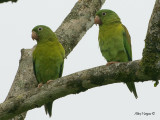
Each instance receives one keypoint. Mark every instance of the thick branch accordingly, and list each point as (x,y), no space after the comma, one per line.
(77,23)
(71,84)
(151,53)
(73,28)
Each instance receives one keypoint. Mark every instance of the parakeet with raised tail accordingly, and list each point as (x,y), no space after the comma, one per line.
(114,40)
(48,58)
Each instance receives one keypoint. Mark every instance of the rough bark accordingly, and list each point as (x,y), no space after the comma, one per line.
(151,53)
(72,84)
(73,28)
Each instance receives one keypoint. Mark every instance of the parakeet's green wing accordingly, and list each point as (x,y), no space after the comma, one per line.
(127,46)
(127,43)
(61,69)
(34,69)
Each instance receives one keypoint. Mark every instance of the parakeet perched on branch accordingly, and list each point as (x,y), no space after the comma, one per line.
(48,58)
(114,40)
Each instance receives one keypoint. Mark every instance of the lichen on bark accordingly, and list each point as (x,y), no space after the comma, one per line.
(151,52)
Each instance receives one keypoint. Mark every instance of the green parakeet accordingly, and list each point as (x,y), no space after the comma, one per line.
(114,40)
(48,58)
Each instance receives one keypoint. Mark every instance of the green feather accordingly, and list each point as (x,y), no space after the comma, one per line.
(114,41)
(127,43)
(48,58)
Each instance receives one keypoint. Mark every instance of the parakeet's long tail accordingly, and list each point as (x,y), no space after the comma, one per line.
(48,108)
(132,88)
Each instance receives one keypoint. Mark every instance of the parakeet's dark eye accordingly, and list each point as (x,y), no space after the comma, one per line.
(103,13)
(40,29)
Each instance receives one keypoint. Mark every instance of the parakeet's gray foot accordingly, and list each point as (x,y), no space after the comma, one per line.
(109,63)
(49,81)
(40,85)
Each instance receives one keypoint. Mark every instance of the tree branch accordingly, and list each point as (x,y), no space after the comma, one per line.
(77,23)
(151,53)
(73,28)
(72,84)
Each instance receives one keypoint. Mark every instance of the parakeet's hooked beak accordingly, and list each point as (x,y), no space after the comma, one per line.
(34,35)
(97,20)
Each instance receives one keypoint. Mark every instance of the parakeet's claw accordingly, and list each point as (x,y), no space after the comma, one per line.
(156,83)
(40,85)
(109,63)
(49,81)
